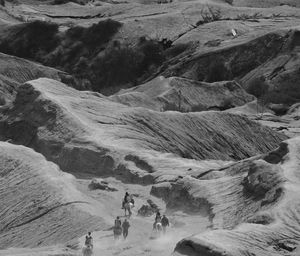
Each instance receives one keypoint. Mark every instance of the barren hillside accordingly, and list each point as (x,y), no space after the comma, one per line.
(64,124)
(190,106)
(268,222)
(40,204)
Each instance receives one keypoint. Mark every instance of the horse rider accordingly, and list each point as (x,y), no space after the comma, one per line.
(117,228)
(157,217)
(89,240)
(118,222)
(126,199)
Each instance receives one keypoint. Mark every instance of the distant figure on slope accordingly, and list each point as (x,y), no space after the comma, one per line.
(157,220)
(128,204)
(117,228)
(125,227)
(126,199)
(164,223)
(157,228)
(87,250)
(88,240)
(118,222)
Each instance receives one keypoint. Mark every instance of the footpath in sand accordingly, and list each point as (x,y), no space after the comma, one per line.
(141,239)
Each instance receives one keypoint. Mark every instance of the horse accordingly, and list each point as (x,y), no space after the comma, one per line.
(157,227)
(117,232)
(127,207)
(87,250)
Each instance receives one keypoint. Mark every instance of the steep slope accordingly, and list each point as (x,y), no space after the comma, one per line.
(40,204)
(15,71)
(230,60)
(253,206)
(281,73)
(266,3)
(87,133)
(200,44)
(43,251)
(183,95)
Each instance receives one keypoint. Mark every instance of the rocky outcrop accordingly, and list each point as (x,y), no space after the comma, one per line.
(87,133)
(40,204)
(254,208)
(183,95)
(238,189)
(148,209)
(100,184)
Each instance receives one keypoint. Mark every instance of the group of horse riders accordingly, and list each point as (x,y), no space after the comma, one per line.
(160,224)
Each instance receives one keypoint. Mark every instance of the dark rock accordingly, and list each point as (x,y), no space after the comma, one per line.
(276,156)
(262,180)
(100,184)
(148,209)
(279,109)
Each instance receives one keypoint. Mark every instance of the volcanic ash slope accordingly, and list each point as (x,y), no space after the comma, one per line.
(254,206)
(184,95)
(85,132)
(14,71)
(39,203)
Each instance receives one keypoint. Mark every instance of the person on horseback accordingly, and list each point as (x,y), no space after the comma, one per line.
(118,222)
(157,228)
(128,208)
(126,199)
(157,217)
(87,250)
(88,240)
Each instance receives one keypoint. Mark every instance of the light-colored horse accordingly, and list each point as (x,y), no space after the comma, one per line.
(158,227)
(87,250)
(157,230)
(127,208)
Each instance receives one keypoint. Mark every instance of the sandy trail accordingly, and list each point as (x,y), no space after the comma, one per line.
(141,239)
